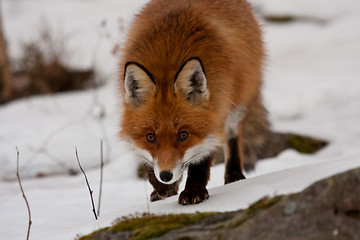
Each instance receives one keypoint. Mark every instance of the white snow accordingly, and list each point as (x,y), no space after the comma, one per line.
(311,87)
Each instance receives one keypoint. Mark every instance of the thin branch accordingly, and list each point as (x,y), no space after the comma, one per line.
(87,183)
(146,197)
(22,191)
(101,176)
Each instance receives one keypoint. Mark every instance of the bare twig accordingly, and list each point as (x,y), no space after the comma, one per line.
(101,176)
(22,191)
(87,183)
(146,197)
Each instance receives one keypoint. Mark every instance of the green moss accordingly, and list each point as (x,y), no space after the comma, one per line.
(254,209)
(304,144)
(264,203)
(150,226)
(90,236)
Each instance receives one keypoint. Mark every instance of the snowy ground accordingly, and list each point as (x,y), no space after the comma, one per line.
(312,87)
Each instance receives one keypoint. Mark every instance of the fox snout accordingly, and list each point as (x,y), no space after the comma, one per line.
(168,174)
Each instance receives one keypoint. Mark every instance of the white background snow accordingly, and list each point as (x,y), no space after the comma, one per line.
(312,87)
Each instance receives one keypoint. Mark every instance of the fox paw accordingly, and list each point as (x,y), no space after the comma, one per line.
(193,196)
(233,177)
(155,196)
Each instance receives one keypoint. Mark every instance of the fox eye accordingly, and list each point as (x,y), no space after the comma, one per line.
(150,137)
(183,135)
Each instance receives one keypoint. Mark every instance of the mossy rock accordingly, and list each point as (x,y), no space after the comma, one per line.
(304,144)
(278,142)
(146,226)
(253,210)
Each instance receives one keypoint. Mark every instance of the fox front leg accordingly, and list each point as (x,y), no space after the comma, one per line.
(161,191)
(195,189)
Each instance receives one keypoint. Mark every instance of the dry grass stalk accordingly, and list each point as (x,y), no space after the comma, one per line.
(23,194)
(88,185)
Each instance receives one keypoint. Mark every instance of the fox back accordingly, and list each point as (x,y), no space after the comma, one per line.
(191,75)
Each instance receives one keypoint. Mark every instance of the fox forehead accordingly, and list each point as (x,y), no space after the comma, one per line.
(169,120)
(163,122)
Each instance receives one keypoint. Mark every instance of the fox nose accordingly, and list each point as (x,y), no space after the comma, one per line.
(166,176)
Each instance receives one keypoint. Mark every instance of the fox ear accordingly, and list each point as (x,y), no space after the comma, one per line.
(191,82)
(138,82)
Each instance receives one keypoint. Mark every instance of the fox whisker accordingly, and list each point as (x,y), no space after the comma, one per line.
(189,160)
(146,161)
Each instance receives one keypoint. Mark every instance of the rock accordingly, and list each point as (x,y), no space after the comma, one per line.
(328,209)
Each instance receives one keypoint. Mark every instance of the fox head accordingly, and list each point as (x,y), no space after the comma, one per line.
(168,120)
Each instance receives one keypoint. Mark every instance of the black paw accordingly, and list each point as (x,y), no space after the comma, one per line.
(193,196)
(160,196)
(233,177)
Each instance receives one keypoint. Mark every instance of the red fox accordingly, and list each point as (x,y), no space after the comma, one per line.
(191,77)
